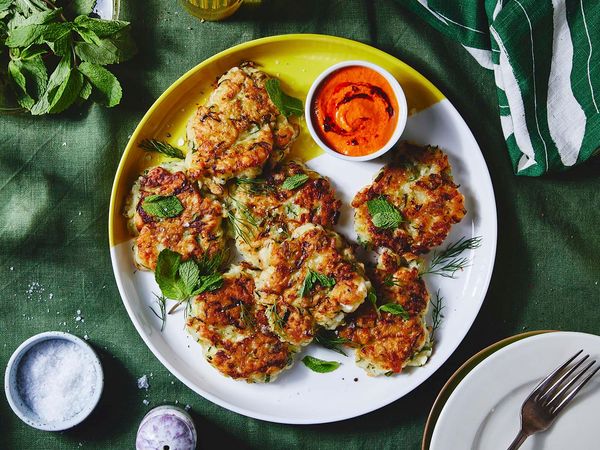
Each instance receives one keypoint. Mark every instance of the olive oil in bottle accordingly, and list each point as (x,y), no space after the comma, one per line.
(211,9)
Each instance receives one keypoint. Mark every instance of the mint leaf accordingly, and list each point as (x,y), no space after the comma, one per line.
(294,181)
(209,283)
(383,213)
(29,77)
(5,4)
(58,37)
(288,106)
(313,278)
(319,365)
(162,206)
(107,89)
(395,309)
(86,90)
(57,78)
(23,36)
(67,92)
(20,83)
(190,274)
(102,28)
(324,280)
(167,267)
(80,7)
(87,35)
(119,47)
(328,339)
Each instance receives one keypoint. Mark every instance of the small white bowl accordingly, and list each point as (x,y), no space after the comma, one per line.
(14,398)
(400,97)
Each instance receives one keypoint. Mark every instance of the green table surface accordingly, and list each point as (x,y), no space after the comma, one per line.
(55,179)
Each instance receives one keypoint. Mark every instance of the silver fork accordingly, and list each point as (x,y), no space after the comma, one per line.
(550,397)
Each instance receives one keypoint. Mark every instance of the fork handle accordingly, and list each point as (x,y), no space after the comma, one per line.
(521,437)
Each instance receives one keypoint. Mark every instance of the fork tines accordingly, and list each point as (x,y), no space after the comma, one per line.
(560,387)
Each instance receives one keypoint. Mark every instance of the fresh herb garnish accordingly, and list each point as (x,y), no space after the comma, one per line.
(154,145)
(254,185)
(383,214)
(448,261)
(390,280)
(294,181)
(312,278)
(163,206)
(161,303)
(278,321)
(437,315)
(246,315)
(242,221)
(319,365)
(41,37)
(395,309)
(288,106)
(179,281)
(329,339)
(372,298)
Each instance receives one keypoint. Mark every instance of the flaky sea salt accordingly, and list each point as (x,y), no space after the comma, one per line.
(56,380)
(142,382)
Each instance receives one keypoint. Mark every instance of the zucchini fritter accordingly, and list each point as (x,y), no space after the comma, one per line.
(265,211)
(234,333)
(418,183)
(311,279)
(237,131)
(385,342)
(196,231)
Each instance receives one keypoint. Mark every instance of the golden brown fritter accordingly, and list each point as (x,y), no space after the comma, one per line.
(237,131)
(266,211)
(195,232)
(234,332)
(418,183)
(311,279)
(385,342)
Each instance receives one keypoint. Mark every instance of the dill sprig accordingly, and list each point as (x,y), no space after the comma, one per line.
(390,280)
(329,339)
(278,321)
(161,303)
(448,261)
(254,185)
(246,315)
(436,313)
(244,224)
(154,145)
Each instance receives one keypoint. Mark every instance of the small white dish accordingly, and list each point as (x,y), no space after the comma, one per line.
(483,412)
(396,88)
(15,400)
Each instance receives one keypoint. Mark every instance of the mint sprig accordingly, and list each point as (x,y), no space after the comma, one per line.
(181,280)
(312,278)
(294,181)
(162,206)
(55,53)
(288,106)
(319,365)
(395,309)
(383,214)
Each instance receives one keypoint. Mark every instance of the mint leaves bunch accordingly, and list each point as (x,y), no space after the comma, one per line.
(55,53)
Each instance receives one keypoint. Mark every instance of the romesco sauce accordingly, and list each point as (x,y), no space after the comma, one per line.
(355,110)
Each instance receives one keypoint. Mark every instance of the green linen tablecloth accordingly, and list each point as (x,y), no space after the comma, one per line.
(55,179)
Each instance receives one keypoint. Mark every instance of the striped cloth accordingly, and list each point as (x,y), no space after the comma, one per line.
(547,71)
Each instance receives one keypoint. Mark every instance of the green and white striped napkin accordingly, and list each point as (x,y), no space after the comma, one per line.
(545,55)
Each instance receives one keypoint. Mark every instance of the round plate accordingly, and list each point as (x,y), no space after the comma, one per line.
(297,60)
(475,421)
(458,376)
